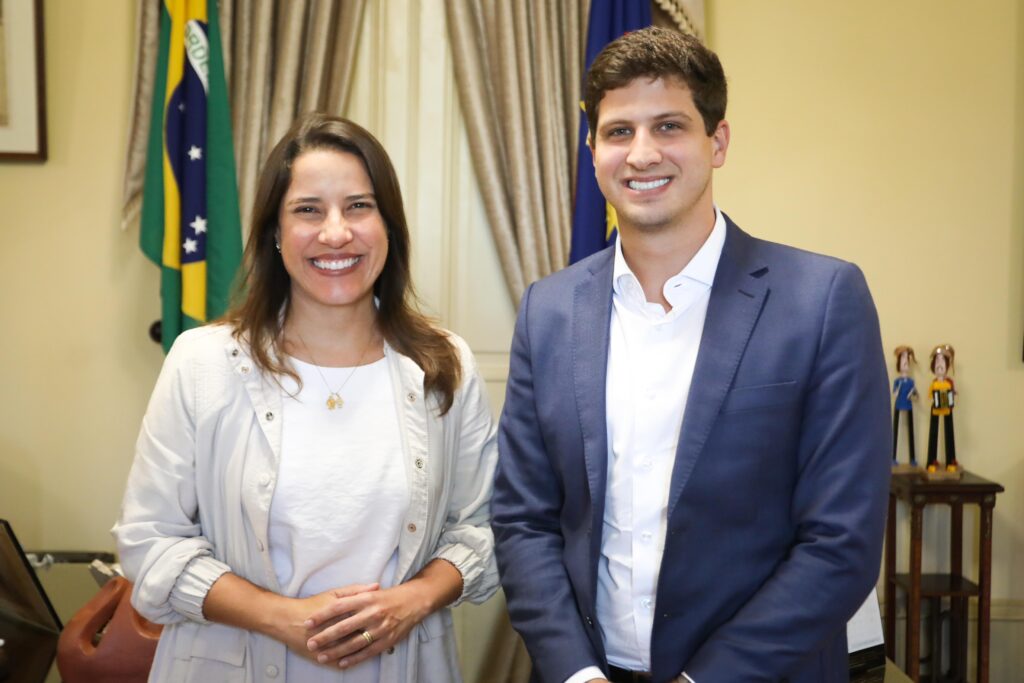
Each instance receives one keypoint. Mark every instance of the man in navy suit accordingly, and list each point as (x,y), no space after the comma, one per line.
(695,440)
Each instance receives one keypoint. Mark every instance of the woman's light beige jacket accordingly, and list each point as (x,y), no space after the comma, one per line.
(200,489)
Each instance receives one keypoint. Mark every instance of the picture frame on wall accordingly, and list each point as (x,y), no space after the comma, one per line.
(22,81)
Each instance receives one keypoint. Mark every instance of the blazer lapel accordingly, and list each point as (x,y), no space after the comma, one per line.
(591,315)
(737,297)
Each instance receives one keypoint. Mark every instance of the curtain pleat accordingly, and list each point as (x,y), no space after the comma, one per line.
(517,72)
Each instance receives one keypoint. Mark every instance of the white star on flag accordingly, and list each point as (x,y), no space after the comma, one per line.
(181,106)
(190,246)
(199,224)
(195,153)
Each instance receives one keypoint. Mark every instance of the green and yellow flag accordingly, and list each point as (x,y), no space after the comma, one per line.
(191,226)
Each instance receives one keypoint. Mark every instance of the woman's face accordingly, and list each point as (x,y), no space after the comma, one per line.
(940,365)
(333,239)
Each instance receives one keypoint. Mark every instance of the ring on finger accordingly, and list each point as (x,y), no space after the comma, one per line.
(368,637)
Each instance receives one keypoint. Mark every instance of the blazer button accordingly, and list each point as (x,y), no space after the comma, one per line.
(590,622)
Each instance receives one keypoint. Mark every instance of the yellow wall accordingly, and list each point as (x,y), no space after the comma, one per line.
(890,134)
(886,133)
(75,362)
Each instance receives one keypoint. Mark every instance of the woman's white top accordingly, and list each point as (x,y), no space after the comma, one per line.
(341,494)
(205,476)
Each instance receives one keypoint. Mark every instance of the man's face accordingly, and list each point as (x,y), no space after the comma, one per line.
(652,157)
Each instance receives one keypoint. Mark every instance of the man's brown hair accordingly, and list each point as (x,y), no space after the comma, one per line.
(654,53)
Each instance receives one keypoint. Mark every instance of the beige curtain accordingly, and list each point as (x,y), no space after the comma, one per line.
(684,15)
(282,58)
(517,71)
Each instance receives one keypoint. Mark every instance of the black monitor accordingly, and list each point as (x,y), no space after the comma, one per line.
(29,626)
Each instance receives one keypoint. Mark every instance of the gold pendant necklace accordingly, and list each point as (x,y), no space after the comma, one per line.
(334,399)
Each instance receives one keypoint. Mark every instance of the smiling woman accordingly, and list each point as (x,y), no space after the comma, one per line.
(277,515)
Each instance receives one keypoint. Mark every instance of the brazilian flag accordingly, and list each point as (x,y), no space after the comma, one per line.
(190,224)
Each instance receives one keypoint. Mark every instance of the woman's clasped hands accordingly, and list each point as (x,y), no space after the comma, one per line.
(355,623)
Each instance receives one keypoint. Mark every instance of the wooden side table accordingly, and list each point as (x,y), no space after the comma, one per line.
(918,493)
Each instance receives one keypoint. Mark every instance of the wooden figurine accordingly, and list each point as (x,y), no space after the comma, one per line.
(943,395)
(906,393)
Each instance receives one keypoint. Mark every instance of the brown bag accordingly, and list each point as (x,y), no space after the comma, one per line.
(107,641)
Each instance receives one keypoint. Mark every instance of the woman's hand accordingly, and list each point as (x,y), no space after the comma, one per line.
(356,627)
(289,622)
(236,602)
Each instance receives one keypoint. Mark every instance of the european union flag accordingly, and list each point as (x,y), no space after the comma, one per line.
(593,220)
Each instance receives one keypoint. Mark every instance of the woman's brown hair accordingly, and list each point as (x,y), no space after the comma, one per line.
(261,306)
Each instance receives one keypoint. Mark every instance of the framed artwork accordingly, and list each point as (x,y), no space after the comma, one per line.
(22,81)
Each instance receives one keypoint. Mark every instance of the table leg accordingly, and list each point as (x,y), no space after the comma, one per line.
(957,605)
(985,586)
(914,596)
(890,585)
(935,639)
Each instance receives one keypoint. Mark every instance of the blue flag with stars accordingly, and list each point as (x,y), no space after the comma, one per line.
(593,221)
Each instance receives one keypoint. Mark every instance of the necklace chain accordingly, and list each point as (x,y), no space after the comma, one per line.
(334,399)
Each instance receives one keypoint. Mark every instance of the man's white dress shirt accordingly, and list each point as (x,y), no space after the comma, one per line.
(651,357)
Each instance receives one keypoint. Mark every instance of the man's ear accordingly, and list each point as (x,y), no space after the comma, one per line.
(720,143)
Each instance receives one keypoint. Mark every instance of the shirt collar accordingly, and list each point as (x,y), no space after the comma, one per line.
(701,268)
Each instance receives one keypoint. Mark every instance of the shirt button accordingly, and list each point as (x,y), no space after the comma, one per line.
(390,651)
(411,396)
(647,464)
(411,528)
(270,417)
(419,463)
(234,353)
(646,603)
(264,479)
(244,369)
(272,671)
(646,536)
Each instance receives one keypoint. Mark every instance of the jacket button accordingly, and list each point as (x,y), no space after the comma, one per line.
(411,528)
(234,353)
(272,671)
(419,463)
(270,417)
(590,622)
(411,396)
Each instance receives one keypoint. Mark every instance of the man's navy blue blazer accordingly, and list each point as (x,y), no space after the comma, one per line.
(778,493)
